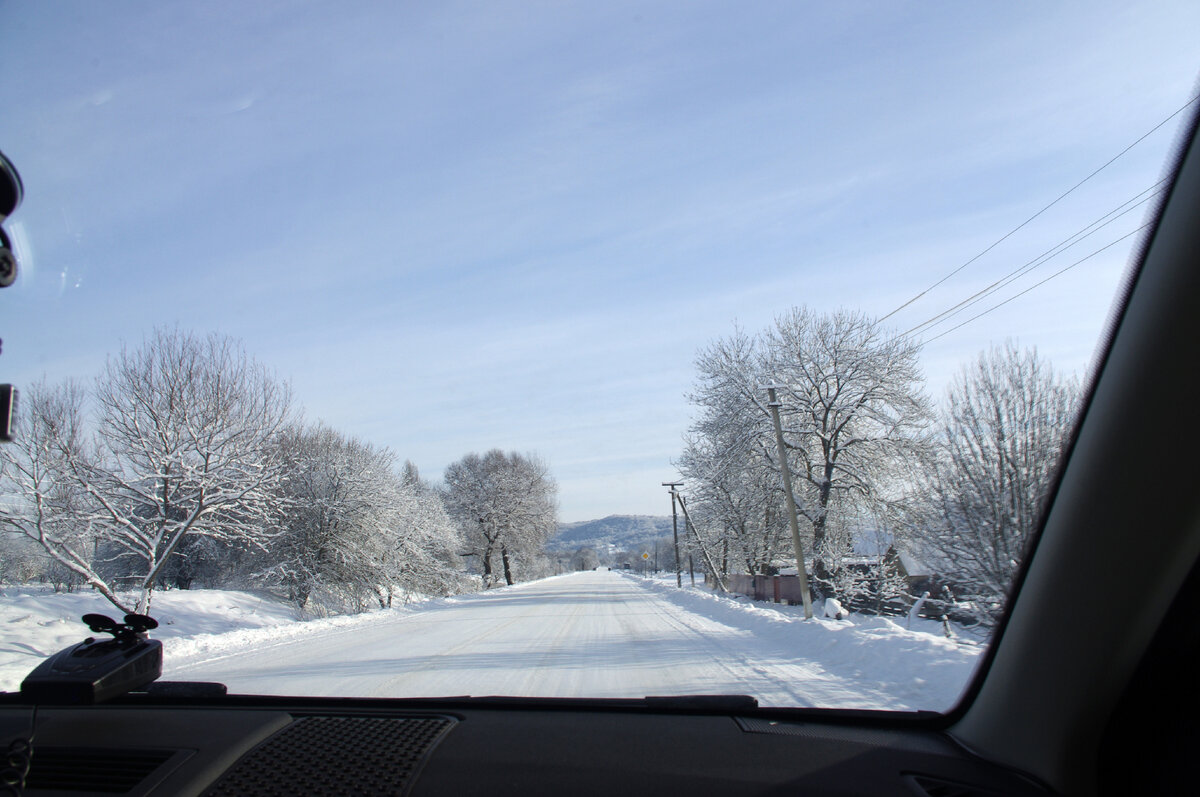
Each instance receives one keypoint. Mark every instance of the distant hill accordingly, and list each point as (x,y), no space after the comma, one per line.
(615,533)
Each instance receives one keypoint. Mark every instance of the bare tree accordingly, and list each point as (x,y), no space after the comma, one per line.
(425,543)
(191,462)
(853,410)
(41,501)
(21,562)
(737,501)
(330,484)
(504,504)
(585,558)
(1005,422)
(185,445)
(356,529)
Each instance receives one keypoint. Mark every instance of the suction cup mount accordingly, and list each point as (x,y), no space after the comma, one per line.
(133,629)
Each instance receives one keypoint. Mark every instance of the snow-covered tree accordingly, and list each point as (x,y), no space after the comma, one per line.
(505,504)
(184,446)
(869,579)
(425,545)
(736,503)
(585,558)
(854,418)
(21,562)
(356,530)
(41,501)
(1005,422)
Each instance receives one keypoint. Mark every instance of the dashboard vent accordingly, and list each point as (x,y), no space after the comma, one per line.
(92,769)
(335,755)
(927,786)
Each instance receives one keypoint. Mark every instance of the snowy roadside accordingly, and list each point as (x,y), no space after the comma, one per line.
(196,625)
(918,667)
(36,622)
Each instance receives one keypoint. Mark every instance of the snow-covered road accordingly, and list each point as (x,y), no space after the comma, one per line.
(593,634)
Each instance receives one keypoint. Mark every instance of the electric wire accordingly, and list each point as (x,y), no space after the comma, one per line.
(1078,237)
(1060,197)
(1040,260)
(1036,284)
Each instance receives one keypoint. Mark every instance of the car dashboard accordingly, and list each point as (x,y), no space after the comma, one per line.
(242,746)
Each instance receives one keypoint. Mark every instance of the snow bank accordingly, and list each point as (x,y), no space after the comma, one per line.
(36,622)
(900,668)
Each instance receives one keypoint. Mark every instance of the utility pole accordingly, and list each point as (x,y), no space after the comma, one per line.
(712,566)
(672,487)
(775,404)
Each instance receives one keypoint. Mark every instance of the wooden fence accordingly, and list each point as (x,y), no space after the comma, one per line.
(786,589)
(776,589)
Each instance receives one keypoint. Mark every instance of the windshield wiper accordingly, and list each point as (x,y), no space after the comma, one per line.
(714,703)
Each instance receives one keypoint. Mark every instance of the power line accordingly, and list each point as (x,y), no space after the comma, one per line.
(1062,246)
(1037,284)
(1008,279)
(1062,196)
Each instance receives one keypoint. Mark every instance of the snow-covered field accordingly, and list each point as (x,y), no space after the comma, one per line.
(595,634)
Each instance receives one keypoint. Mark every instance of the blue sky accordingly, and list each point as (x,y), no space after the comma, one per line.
(462,226)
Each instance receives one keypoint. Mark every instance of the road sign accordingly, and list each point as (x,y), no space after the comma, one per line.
(645,556)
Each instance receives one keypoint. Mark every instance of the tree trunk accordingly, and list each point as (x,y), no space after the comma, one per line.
(822,574)
(487,567)
(507,565)
(143,604)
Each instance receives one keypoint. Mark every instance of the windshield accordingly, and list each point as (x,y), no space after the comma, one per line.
(568,350)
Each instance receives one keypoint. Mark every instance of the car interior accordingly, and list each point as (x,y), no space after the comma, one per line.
(1109,708)
(1085,687)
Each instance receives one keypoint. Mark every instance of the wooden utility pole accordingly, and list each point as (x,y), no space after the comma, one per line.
(673,486)
(712,567)
(774,404)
